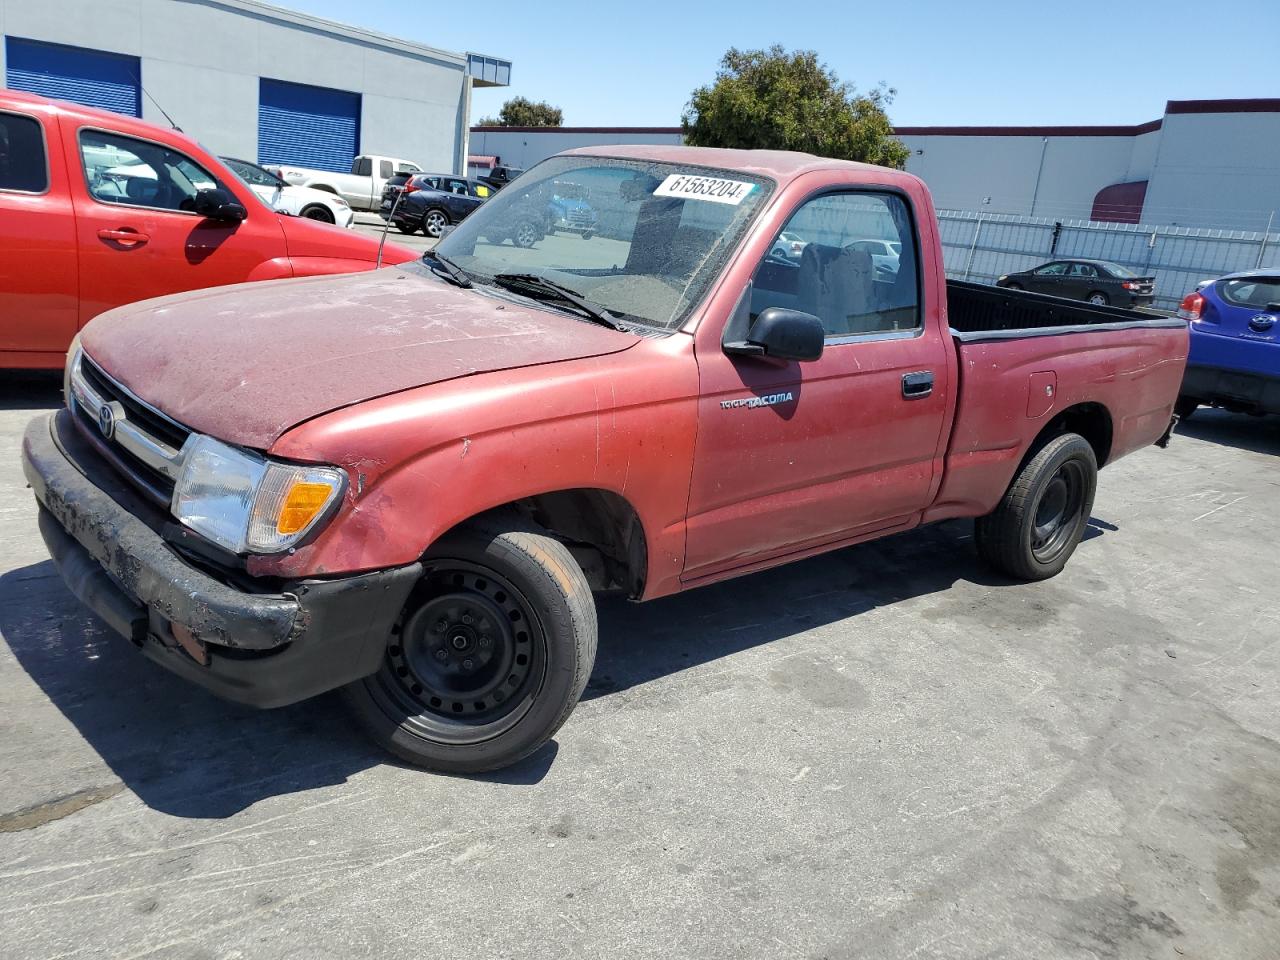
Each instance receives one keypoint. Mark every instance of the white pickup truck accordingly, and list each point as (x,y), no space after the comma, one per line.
(361,188)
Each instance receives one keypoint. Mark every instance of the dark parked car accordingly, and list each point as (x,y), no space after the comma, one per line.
(1097,281)
(431,201)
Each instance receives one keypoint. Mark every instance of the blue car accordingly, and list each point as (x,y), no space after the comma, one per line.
(1235,344)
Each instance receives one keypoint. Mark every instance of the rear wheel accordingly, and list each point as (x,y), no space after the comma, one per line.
(434,222)
(490,655)
(1041,518)
(318,213)
(1099,299)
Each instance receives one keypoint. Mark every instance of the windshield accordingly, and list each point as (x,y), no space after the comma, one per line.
(660,233)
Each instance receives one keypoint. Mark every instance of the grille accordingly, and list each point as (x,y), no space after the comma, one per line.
(148,421)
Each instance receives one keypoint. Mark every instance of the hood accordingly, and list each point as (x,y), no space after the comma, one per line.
(246,363)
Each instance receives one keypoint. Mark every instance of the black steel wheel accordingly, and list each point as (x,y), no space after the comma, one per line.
(1039,521)
(489,656)
(1057,511)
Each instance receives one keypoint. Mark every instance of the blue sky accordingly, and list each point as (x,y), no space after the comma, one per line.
(635,63)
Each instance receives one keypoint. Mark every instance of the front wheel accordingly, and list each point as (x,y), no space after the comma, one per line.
(490,655)
(1042,516)
(319,214)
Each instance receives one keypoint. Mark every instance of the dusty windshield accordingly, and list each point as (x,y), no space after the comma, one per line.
(642,240)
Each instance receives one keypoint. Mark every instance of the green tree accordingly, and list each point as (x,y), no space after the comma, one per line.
(521,112)
(772,99)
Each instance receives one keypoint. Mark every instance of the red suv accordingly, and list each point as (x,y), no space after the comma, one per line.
(99,210)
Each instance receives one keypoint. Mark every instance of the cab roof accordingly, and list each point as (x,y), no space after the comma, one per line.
(780,165)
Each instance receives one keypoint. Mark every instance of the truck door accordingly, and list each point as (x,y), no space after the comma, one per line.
(138,234)
(797,455)
(38,269)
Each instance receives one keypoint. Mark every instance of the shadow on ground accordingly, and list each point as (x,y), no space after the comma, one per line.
(186,753)
(1256,434)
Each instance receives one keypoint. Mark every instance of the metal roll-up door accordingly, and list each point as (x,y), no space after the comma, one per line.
(307,126)
(110,81)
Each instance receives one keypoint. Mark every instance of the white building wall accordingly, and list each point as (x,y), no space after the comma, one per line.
(201,60)
(523,148)
(1216,170)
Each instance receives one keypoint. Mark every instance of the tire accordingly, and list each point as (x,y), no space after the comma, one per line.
(1185,406)
(433,223)
(1099,299)
(1042,516)
(526,234)
(318,213)
(405,228)
(484,692)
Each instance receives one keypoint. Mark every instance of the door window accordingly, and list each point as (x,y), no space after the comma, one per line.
(385,169)
(456,186)
(362,167)
(136,173)
(843,275)
(251,173)
(1051,270)
(481,190)
(1083,270)
(24,167)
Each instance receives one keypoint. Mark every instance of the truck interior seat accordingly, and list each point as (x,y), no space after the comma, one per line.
(837,286)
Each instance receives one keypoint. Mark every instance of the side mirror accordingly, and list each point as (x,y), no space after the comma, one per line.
(218,204)
(781,334)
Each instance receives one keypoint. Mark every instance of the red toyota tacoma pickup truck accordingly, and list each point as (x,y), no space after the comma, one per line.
(409,483)
(98,210)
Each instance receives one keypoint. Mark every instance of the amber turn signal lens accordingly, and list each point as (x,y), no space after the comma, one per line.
(301,504)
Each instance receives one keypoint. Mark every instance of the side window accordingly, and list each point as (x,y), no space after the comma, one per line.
(457,186)
(1083,270)
(362,167)
(848,273)
(23,164)
(385,170)
(122,170)
(481,190)
(1051,270)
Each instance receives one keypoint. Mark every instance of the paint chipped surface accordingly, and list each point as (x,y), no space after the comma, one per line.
(275,354)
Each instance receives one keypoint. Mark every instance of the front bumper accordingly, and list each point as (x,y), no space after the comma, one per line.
(286,643)
(1234,389)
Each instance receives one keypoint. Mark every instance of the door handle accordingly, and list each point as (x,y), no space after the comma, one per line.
(130,238)
(918,385)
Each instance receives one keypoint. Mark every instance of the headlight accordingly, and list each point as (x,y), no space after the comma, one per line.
(247,503)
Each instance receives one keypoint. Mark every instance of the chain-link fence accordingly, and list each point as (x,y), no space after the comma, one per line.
(982,247)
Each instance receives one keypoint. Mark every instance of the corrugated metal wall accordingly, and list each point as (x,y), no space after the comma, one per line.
(109,81)
(307,126)
(982,247)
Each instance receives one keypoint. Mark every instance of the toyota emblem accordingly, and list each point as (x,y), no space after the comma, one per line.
(1262,322)
(106,421)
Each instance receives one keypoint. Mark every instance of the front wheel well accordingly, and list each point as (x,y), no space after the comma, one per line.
(600,528)
(1091,420)
(322,186)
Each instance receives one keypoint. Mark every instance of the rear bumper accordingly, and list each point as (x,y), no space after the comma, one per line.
(265,649)
(1233,389)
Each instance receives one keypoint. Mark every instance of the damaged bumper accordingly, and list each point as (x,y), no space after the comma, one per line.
(266,649)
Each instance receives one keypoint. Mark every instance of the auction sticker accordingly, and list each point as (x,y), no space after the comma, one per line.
(713,189)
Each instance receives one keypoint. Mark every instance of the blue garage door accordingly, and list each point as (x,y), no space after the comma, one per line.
(95,78)
(307,126)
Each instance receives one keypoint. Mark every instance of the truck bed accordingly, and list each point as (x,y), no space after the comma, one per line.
(979,311)
(1026,359)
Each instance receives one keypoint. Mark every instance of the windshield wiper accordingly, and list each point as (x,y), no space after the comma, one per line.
(446,269)
(533,284)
